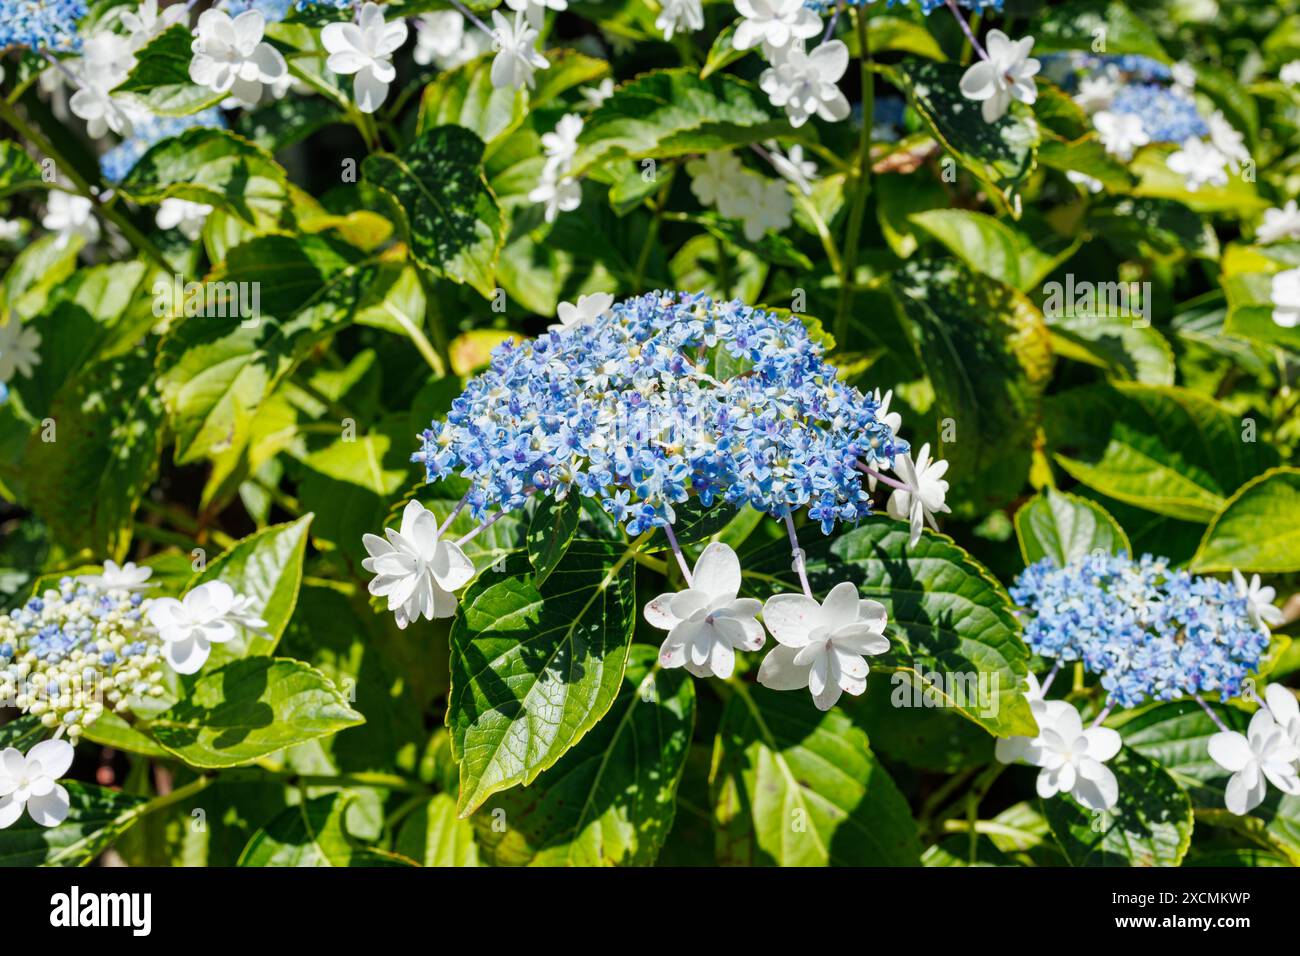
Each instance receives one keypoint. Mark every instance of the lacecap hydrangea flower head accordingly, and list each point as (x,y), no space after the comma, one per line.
(647,404)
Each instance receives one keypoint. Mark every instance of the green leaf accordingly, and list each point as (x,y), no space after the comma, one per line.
(1164,449)
(675,112)
(1151,825)
(466,97)
(104,456)
(1000,155)
(21,733)
(1086,156)
(610,800)
(1250,310)
(991,246)
(793,786)
(18,171)
(249,709)
(1126,349)
(216,167)
(216,370)
(1081,24)
(1258,528)
(267,567)
(96,817)
(894,34)
(550,530)
(947,614)
(1237,198)
(1064,527)
(533,669)
(314,833)
(160,80)
(443,203)
(435,836)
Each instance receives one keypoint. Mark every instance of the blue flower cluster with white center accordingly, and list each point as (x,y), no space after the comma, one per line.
(1167,115)
(71,653)
(147,131)
(41,24)
(665,396)
(1150,632)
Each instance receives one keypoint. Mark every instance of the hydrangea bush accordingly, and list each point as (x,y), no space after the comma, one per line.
(682,432)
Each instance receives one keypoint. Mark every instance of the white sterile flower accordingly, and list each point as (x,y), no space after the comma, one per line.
(1285,293)
(774,22)
(517,59)
(557,195)
(1121,133)
(1084,180)
(1096,92)
(588,309)
(1008,74)
(1285,709)
(415,568)
(707,622)
(804,83)
(18,345)
(595,95)
(33,782)
(1228,141)
(715,180)
(561,144)
(365,48)
(925,493)
(128,577)
(69,216)
(189,627)
(441,39)
(1290,73)
(768,206)
(106,61)
(1072,758)
(184,215)
(823,647)
(793,166)
(146,21)
(10,229)
(677,15)
(1184,75)
(1029,749)
(1264,754)
(241,612)
(1280,224)
(1200,164)
(230,57)
(1263,612)
(893,419)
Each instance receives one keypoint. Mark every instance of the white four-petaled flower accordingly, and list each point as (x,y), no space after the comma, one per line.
(1120,133)
(517,58)
(230,56)
(69,216)
(127,577)
(774,23)
(707,623)
(1073,759)
(415,568)
(32,782)
(925,492)
(184,215)
(18,345)
(804,83)
(1264,754)
(1264,614)
(1280,224)
(588,309)
(365,48)
(1200,164)
(1008,74)
(823,647)
(205,616)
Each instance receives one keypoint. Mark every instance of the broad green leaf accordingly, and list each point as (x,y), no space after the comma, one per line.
(611,799)
(249,709)
(997,249)
(567,69)
(722,52)
(104,456)
(550,530)
(435,836)
(793,786)
(1000,155)
(96,817)
(533,669)
(1126,348)
(216,167)
(1258,529)
(1086,156)
(948,617)
(910,723)
(1238,198)
(35,272)
(1151,825)
(18,171)
(986,350)
(1064,527)
(267,567)
(314,833)
(1164,449)
(1152,227)
(957,851)
(216,370)
(674,112)
(465,96)
(160,80)
(887,34)
(698,265)
(694,524)
(446,211)
(1082,24)
(112,730)
(22,733)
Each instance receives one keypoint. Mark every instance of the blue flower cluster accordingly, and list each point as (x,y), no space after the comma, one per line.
(1167,115)
(273,11)
(1149,631)
(665,396)
(927,6)
(41,24)
(151,129)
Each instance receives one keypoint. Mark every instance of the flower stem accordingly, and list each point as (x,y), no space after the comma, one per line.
(1218,722)
(452,517)
(1105,712)
(481,528)
(965,28)
(800,564)
(1051,676)
(883,479)
(677,553)
(862,187)
(469,15)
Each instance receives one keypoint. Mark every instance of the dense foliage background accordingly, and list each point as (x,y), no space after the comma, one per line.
(393,250)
